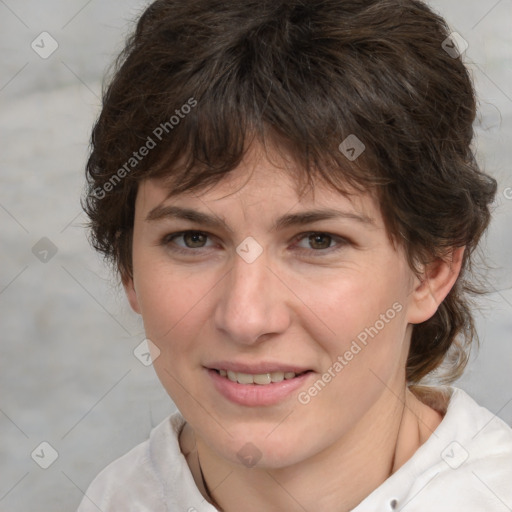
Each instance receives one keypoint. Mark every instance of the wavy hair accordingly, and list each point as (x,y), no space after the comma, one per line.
(304,76)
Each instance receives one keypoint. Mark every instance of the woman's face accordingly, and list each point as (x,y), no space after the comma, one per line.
(263,284)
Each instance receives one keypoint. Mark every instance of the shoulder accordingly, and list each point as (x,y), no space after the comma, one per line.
(136,481)
(475,466)
(466,463)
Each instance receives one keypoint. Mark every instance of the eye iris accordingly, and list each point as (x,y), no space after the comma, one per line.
(197,239)
(313,239)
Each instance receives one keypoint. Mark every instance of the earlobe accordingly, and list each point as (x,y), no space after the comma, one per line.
(131,294)
(437,281)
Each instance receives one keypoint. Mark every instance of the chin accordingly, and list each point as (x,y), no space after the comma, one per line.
(256,448)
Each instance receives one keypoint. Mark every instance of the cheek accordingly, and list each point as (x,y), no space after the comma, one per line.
(174,309)
(362,334)
(364,350)
(355,307)
(172,304)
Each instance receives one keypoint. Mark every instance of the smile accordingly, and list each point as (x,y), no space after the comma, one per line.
(261,379)
(258,389)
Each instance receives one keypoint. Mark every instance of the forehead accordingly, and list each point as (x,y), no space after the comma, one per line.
(263,180)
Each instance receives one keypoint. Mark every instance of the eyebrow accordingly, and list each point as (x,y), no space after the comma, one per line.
(292,219)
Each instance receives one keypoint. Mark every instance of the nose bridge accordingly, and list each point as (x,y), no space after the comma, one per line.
(249,305)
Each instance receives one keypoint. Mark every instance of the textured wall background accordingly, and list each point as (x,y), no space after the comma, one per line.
(68,375)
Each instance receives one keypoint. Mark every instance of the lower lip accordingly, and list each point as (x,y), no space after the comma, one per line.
(254,395)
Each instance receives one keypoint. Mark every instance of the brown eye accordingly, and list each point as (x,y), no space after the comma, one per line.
(194,239)
(186,241)
(319,241)
(315,241)
(320,244)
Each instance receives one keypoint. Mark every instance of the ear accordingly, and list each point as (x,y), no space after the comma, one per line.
(131,294)
(435,284)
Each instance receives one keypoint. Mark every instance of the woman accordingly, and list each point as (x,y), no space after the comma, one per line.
(288,193)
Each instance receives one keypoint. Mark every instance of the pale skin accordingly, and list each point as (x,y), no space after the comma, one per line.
(298,303)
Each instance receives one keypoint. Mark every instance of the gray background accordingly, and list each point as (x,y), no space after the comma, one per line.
(68,375)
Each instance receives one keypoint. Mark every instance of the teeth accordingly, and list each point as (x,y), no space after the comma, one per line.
(277,376)
(264,378)
(244,378)
(260,378)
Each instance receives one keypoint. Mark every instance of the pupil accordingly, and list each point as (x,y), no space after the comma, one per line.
(315,238)
(196,239)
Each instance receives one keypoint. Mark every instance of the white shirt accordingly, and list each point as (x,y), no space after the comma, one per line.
(464,466)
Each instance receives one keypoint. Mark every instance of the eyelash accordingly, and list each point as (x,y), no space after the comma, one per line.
(169,238)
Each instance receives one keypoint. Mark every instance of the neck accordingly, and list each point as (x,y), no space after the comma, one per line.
(340,477)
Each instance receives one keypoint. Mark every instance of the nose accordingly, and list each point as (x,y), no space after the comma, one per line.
(253,302)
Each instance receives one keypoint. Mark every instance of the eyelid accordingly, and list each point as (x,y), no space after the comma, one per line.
(340,240)
(169,237)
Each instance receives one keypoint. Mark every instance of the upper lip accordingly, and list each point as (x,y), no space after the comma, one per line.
(255,368)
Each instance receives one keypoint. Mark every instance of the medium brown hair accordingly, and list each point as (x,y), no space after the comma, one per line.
(199,80)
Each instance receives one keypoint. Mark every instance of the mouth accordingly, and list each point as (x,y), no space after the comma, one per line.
(259,379)
(271,384)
